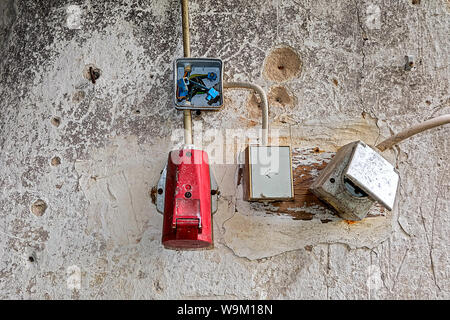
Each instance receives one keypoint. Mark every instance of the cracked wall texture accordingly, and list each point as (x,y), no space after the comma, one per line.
(99,236)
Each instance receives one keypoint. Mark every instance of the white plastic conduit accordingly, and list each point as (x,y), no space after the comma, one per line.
(264,104)
(418,128)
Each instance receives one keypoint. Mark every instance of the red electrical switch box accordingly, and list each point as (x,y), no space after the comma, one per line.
(187,202)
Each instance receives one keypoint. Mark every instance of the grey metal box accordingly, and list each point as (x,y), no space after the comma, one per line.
(199,66)
(268,173)
(354,179)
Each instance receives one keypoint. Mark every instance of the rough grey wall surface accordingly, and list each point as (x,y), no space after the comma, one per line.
(99,236)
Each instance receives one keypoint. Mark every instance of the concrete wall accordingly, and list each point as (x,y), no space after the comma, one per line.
(78,160)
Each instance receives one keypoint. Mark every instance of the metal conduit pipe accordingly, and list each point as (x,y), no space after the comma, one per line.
(187,120)
(231,85)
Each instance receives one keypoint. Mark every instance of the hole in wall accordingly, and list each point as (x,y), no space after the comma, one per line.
(279,96)
(38,207)
(91,73)
(30,255)
(282,64)
(56,161)
(56,121)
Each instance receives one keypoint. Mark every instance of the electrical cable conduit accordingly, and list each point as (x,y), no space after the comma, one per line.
(418,128)
(264,104)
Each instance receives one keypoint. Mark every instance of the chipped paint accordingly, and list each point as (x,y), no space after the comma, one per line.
(112,140)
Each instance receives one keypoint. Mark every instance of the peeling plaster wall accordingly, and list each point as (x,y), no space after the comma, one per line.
(99,236)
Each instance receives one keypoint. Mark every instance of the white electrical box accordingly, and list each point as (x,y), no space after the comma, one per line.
(268,173)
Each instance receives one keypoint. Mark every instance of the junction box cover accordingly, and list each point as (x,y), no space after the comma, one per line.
(267,174)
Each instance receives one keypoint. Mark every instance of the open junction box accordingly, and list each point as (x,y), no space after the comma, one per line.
(198,83)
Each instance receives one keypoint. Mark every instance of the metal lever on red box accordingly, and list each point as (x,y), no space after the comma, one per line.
(187,196)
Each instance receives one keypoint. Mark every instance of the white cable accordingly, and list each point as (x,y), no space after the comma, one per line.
(264,103)
(418,128)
